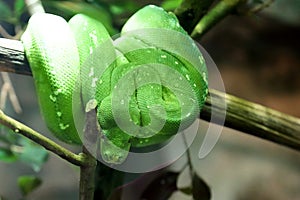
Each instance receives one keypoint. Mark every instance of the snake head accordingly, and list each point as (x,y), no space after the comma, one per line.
(114,150)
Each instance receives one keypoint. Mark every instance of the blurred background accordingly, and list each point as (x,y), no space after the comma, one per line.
(259,59)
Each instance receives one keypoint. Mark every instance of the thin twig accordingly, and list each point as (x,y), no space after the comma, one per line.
(190,12)
(8,90)
(19,128)
(260,7)
(254,119)
(216,14)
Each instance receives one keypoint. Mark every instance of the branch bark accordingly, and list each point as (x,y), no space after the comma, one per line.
(216,14)
(242,115)
(87,177)
(90,148)
(190,12)
(253,119)
(12,57)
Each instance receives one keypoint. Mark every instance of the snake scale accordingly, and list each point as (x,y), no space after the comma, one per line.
(145,89)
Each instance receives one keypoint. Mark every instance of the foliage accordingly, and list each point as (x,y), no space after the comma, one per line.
(28,184)
(170,4)
(160,185)
(16,148)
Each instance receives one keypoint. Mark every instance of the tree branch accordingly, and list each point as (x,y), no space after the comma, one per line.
(190,12)
(242,115)
(19,128)
(8,91)
(253,119)
(90,148)
(12,57)
(216,14)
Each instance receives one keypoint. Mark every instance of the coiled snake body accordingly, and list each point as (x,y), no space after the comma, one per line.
(148,84)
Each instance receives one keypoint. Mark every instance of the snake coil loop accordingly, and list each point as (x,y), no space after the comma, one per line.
(149,84)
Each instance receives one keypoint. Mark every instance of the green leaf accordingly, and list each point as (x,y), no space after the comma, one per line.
(186,190)
(27,184)
(170,4)
(7,155)
(19,7)
(33,154)
(162,187)
(123,7)
(7,136)
(200,189)
(5,11)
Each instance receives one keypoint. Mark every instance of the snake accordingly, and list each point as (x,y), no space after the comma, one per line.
(148,84)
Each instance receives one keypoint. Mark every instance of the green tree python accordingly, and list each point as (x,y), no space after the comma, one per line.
(144,92)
